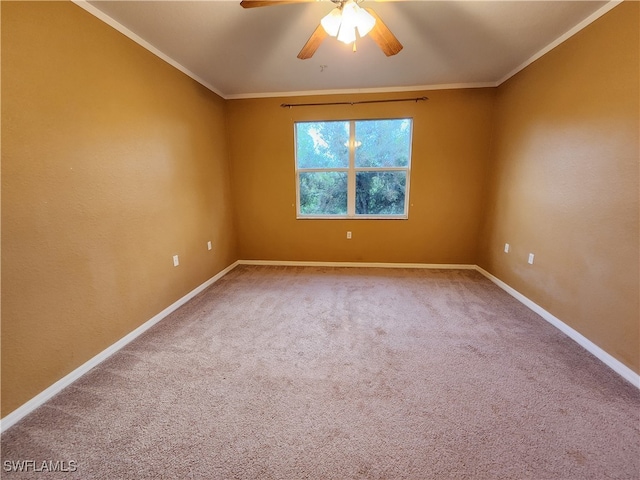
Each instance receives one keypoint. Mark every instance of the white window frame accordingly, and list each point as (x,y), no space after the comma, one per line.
(351,171)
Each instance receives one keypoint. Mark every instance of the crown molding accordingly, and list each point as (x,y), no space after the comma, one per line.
(411,88)
(586,22)
(85,5)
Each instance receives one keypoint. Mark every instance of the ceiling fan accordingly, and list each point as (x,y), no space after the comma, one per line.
(342,22)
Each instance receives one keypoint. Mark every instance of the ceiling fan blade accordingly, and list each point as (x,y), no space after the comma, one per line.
(269,3)
(313,43)
(381,34)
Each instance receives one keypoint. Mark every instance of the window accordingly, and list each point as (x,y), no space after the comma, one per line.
(353,169)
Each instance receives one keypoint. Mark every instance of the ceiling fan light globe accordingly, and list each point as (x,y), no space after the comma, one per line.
(331,22)
(347,33)
(364,21)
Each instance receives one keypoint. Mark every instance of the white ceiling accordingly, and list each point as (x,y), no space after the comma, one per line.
(240,53)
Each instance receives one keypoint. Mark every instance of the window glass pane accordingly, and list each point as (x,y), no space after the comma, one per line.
(323,193)
(380,193)
(383,143)
(322,144)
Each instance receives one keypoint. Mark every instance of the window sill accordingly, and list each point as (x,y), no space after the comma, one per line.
(357,217)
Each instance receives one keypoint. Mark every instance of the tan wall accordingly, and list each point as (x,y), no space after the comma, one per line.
(112,161)
(450,151)
(564,184)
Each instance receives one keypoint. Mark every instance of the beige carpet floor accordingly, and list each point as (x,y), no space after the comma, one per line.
(327,373)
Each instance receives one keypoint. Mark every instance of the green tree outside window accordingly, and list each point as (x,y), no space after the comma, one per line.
(357,168)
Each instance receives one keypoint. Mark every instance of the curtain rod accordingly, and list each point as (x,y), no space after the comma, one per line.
(416,99)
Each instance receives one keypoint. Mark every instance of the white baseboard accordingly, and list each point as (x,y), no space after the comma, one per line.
(617,366)
(28,407)
(289,263)
(22,411)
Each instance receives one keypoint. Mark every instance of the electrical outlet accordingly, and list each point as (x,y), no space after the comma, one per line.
(349,235)
(530,261)
(506,248)
(176,261)
(209,245)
